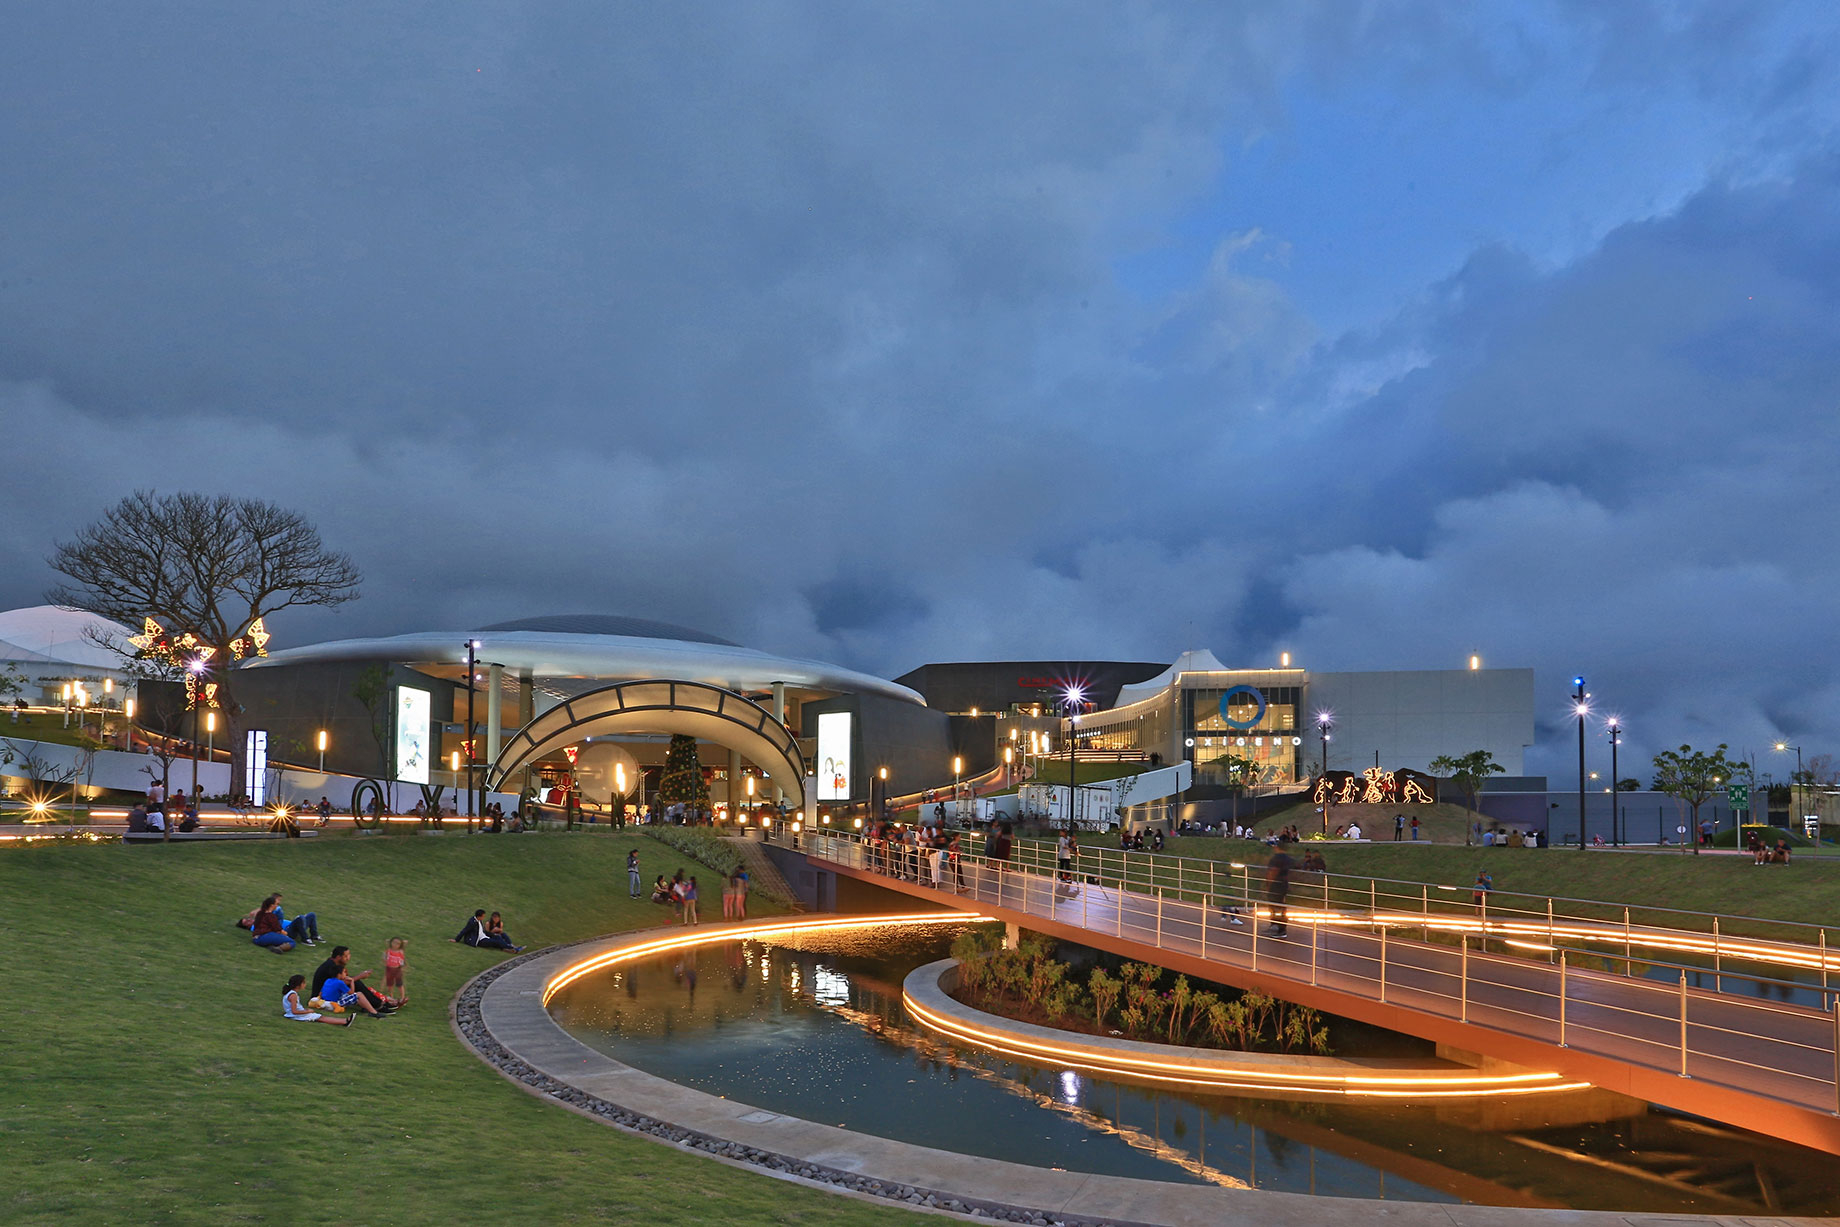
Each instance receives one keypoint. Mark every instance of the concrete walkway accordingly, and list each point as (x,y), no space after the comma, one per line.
(510,1014)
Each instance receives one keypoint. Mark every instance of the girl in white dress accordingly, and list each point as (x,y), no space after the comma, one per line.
(292,1009)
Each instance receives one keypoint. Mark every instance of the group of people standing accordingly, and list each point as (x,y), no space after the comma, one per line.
(924,853)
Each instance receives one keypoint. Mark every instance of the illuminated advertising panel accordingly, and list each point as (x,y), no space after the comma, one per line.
(834,756)
(412,708)
(255,766)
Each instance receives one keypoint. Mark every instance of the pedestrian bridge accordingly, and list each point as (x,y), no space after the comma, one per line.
(1578,996)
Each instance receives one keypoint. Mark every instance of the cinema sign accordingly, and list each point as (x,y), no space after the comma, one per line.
(1402,787)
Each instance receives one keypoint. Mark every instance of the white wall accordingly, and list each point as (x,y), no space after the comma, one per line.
(1412,717)
(115,769)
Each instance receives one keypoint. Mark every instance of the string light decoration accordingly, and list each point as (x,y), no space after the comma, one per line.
(191,654)
(1375,786)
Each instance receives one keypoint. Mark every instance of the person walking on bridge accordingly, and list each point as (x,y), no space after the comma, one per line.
(1277,886)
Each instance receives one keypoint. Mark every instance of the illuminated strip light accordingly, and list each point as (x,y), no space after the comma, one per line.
(1739,949)
(1354,1086)
(627,954)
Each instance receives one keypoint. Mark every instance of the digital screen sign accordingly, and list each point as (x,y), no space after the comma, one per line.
(412,751)
(834,756)
(255,766)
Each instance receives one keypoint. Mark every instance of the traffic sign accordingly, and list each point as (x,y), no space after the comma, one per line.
(1738,796)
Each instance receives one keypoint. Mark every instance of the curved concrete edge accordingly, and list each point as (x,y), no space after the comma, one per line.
(927,994)
(500,1016)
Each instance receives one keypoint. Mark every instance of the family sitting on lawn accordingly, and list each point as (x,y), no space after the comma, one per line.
(336,989)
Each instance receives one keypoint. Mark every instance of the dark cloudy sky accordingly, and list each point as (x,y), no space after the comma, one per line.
(1381,333)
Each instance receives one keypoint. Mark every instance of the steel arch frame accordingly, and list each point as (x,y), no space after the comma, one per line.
(695,708)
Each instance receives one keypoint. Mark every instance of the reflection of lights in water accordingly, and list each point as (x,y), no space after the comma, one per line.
(830,988)
(1070,1087)
(792,977)
(933,1050)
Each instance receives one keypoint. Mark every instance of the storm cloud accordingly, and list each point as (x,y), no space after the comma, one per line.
(893,334)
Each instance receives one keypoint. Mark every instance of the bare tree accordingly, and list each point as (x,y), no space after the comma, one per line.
(204,566)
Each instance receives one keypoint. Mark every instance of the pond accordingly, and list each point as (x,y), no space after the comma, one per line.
(813,1026)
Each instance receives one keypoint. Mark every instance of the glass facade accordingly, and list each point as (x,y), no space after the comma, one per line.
(1270,740)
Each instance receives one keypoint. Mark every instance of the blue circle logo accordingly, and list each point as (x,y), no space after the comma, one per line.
(1227,699)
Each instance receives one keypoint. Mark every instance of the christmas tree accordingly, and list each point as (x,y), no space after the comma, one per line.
(683,776)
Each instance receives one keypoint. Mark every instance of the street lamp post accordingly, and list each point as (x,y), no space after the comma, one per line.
(1580,708)
(322,751)
(1795,786)
(958,807)
(1075,700)
(1324,722)
(197,667)
(1615,728)
(472,662)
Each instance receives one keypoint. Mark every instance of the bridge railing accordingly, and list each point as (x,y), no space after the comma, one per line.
(1474,969)
(1809,952)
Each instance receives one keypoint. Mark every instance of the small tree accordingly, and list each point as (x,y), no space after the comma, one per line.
(208,567)
(1469,773)
(1691,777)
(12,683)
(1242,773)
(372,691)
(683,775)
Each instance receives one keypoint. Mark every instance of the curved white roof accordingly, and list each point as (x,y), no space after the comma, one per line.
(1198,660)
(599,657)
(51,634)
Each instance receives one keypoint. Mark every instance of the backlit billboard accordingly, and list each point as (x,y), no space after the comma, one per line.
(834,756)
(412,751)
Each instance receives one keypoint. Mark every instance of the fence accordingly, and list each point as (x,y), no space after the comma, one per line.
(1547,974)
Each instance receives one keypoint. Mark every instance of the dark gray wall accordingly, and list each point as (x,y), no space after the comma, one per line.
(1645,816)
(914,743)
(293,702)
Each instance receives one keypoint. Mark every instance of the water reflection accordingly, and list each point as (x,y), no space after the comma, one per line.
(813,1026)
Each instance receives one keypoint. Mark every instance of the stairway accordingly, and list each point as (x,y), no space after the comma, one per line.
(762,872)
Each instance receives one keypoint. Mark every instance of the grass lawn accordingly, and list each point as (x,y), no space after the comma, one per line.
(47,727)
(148,1076)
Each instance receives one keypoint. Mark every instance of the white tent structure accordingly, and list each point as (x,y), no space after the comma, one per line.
(1199,660)
(51,645)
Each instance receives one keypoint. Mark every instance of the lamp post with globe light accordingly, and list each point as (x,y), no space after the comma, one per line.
(1614,726)
(1075,699)
(1581,707)
(1325,721)
(1795,786)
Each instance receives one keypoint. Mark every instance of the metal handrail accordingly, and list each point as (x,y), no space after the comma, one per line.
(1822,955)
(1001,883)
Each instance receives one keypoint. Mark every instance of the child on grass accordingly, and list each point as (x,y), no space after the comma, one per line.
(292,1009)
(393,969)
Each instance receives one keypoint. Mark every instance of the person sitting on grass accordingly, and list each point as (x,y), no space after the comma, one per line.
(304,928)
(292,1009)
(661,890)
(475,934)
(334,983)
(495,930)
(268,929)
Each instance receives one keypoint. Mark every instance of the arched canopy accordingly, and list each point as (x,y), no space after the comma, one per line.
(695,709)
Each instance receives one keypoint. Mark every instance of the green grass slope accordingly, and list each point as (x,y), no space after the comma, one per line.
(146,1075)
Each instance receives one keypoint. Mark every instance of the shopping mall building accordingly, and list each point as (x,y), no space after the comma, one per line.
(591,701)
